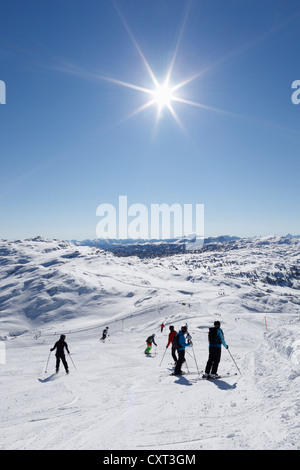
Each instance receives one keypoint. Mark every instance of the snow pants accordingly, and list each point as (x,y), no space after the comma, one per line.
(63,358)
(148,348)
(173,352)
(213,360)
(180,361)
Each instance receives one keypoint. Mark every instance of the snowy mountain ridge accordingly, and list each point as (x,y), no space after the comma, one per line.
(45,279)
(145,248)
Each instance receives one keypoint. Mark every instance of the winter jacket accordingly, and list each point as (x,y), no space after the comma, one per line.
(182,343)
(60,345)
(221,339)
(150,340)
(171,337)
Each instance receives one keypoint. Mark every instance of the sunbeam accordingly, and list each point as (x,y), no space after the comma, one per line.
(163,93)
(154,79)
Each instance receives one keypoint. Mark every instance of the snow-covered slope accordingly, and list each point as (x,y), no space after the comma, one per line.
(120,399)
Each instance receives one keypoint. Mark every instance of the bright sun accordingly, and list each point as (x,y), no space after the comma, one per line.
(163,96)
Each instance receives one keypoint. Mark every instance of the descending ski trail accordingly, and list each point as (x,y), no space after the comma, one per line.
(120,399)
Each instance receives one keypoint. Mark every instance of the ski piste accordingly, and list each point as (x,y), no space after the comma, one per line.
(111,377)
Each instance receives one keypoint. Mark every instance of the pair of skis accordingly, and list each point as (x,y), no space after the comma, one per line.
(224,376)
(202,377)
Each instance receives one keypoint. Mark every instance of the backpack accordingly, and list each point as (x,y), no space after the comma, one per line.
(213,336)
(175,342)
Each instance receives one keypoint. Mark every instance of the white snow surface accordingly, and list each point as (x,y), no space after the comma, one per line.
(117,398)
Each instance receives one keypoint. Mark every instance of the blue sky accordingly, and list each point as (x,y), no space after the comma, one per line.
(72,139)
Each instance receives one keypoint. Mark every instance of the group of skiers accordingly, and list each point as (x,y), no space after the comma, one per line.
(178,342)
(182,339)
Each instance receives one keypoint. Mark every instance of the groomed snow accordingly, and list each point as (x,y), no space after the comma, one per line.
(120,399)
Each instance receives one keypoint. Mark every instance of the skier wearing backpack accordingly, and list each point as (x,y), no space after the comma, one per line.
(181,344)
(60,347)
(172,334)
(216,339)
(149,342)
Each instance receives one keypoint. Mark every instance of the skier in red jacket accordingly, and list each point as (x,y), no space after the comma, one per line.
(170,341)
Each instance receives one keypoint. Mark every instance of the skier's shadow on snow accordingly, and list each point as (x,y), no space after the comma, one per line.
(181,380)
(48,379)
(222,385)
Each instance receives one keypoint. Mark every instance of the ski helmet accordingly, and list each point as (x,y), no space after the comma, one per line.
(217,323)
(184,329)
(62,336)
(171,328)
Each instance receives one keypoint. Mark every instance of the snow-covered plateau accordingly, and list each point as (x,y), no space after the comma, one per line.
(115,397)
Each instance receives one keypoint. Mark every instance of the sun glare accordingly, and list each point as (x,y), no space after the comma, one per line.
(163,96)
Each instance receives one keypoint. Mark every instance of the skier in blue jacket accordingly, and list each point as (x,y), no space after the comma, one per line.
(181,350)
(216,339)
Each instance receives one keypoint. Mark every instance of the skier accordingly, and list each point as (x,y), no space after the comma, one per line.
(182,344)
(104,333)
(216,339)
(149,342)
(172,334)
(162,327)
(60,346)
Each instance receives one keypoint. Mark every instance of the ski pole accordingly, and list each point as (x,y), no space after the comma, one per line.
(47,363)
(195,360)
(189,337)
(234,361)
(72,362)
(188,353)
(163,356)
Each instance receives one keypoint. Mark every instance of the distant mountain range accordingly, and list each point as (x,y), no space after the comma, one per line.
(145,248)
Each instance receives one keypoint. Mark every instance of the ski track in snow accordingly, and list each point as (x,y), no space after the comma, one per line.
(118,398)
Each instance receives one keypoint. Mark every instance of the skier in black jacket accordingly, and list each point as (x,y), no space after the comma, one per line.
(216,339)
(60,346)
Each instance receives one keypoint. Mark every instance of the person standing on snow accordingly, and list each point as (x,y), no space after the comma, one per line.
(216,339)
(172,334)
(182,344)
(149,342)
(60,347)
(162,327)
